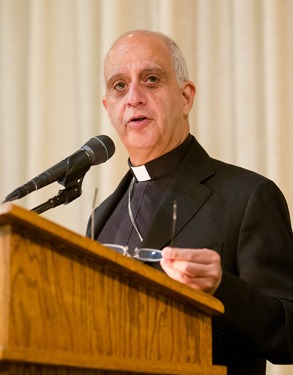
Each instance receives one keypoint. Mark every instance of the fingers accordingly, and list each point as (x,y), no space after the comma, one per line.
(199,268)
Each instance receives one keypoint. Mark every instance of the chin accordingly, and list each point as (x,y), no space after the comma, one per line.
(140,142)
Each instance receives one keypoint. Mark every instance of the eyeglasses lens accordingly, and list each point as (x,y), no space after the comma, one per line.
(119,248)
(149,255)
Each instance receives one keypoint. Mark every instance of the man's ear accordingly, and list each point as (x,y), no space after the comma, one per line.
(105,104)
(188,93)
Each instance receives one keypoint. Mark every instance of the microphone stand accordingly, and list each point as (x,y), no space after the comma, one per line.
(72,183)
(64,196)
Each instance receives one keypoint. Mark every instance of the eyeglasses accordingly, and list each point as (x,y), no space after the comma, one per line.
(143,254)
(146,254)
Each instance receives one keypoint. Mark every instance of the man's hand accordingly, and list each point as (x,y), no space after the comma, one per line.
(198,268)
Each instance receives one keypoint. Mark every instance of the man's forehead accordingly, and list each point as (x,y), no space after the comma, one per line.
(140,38)
(141,69)
(132,46)
(129,54)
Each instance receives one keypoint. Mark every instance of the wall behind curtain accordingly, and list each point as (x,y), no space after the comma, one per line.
(239,53)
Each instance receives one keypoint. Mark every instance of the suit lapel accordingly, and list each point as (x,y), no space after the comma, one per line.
(104,211)
(189,199)
(189,192)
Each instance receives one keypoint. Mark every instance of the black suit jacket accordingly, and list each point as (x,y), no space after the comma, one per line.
(245,218)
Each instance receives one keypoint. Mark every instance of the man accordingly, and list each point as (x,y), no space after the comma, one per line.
(233,237)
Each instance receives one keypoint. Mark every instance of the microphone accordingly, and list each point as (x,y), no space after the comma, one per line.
(96,151)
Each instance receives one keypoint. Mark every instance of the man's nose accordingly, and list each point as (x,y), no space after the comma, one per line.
(136,95)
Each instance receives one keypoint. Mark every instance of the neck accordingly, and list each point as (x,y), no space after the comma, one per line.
(141,157)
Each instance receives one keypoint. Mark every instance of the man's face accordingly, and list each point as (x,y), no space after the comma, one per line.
(143,99)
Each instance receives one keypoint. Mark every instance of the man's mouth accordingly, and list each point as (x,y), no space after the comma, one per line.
(138,119)
(138,122)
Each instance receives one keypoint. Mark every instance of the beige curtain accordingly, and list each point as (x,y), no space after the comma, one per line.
(240,55)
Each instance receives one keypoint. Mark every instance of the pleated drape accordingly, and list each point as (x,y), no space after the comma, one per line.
(240,56)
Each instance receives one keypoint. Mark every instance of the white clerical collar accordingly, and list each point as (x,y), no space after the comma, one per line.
(141,173)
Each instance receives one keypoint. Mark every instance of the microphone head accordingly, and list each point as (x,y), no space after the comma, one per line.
(99,148)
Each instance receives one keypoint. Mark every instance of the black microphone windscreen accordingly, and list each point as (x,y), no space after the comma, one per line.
(100,148)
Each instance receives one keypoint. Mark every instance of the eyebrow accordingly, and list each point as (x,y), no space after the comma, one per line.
(115,74)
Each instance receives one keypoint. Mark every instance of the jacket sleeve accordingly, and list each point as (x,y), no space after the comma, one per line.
(259,300)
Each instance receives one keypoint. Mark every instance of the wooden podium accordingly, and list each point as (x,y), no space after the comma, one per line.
(70,306)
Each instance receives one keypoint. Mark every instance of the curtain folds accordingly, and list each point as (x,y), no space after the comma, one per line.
(240,56)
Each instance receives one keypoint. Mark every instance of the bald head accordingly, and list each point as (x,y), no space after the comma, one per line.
(176,57)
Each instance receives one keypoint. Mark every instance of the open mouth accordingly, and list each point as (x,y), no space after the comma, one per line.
(138,119)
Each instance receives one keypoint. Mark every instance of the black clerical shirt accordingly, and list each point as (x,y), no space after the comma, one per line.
(144,198)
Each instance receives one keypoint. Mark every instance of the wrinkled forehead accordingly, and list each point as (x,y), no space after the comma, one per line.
(136,49)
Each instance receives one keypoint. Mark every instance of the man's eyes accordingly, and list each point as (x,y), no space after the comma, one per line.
(150,80)
(119,86)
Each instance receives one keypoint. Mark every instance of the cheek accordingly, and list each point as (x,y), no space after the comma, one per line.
(169,111)
(163,107)
(115,113)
